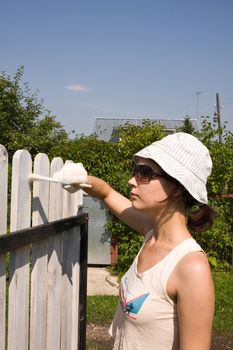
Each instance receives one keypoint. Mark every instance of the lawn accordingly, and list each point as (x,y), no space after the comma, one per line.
(223,321)
(101,308)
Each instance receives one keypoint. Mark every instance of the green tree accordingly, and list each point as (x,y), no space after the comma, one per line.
(187,126)
(24,122)
(218,241)
(135,137)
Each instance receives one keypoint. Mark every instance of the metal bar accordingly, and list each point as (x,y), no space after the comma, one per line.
(18,239)
(83,287)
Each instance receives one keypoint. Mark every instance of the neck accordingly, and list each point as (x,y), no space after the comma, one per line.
(171,228)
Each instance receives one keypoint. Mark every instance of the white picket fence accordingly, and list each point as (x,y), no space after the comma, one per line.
(42,300)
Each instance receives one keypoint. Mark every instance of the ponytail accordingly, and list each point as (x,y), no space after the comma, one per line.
(201,219)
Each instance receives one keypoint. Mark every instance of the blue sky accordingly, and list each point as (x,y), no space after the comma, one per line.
(122,58)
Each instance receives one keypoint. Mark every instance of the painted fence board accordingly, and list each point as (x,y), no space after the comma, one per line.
(70,289)
(74,330)
(40,213)
(54,263)
(70,275)
(71,201)
(3,229)
(18,306)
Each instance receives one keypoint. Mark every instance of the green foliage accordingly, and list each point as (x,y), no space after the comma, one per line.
(223,302)
(24,122)
(135,137)
(217,241)
(43,135)
(221,180)
(187,126)
(129,244)
(100,158)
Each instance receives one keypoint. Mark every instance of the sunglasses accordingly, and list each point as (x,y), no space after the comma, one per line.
(144,173)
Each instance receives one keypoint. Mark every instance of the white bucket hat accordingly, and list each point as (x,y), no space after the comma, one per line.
(185,158)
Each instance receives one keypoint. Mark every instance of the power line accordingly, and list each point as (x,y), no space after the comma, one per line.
(228,100)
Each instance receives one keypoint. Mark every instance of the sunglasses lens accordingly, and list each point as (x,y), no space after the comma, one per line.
(142,173)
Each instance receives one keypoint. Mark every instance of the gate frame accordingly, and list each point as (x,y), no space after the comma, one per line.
(14,240)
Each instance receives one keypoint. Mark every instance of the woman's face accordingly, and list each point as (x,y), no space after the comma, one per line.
(147,194)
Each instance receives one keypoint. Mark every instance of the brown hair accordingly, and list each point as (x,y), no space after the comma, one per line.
(200,217)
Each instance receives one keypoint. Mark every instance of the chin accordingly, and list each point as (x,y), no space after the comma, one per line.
(134,205)
(137,206)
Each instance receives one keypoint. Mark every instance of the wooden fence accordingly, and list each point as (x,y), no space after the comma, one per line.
(40,259)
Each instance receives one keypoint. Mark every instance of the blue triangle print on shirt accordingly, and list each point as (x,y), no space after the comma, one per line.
(133,306)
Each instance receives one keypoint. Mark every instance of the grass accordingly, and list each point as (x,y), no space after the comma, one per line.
(101,309)
(223,321)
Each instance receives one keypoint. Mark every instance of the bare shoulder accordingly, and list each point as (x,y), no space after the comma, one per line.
(194,272)
(193,263)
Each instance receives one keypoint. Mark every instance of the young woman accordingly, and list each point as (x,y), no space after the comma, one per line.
(167,295)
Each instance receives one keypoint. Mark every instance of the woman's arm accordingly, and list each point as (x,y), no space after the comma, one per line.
(195,302)
(119,205)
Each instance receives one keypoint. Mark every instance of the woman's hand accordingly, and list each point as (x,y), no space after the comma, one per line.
(73,176)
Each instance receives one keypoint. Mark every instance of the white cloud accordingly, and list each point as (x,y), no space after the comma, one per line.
(77,88)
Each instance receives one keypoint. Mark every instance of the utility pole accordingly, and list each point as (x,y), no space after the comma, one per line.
(217,114)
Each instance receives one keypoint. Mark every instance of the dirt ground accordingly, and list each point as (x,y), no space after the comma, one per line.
(99,339)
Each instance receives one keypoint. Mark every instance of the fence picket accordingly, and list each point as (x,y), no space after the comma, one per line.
(18,305)
(3,229)
(38,310)
(56,192)
(70,290)
(54,263)
(71,202)
(70,275)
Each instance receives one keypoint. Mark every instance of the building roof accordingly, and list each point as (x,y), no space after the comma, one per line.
(104,127)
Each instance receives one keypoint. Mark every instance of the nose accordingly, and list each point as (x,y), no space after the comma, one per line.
(132,182)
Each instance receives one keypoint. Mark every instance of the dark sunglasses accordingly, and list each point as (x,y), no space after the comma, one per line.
(144,173)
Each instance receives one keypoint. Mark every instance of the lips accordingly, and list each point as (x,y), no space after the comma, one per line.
(133,195)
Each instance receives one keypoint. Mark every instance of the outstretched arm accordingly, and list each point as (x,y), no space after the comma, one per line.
(119,205)
(74,175)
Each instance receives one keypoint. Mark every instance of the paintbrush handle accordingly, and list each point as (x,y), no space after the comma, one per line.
(37,177)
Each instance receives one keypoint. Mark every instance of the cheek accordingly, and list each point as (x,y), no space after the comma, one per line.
(159,196)
(154,194)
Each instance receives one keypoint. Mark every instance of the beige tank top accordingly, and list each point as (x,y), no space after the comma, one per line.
(146,317)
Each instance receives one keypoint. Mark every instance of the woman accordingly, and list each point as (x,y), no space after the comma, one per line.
(167,295)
